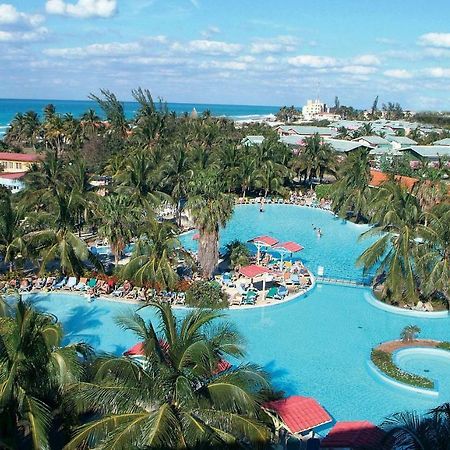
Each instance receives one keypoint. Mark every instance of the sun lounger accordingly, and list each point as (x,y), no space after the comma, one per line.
(272,292)
(282,292)
(25,285)
(91,283)
(39,283)
(59,284)
(295,279)
(81,286)
(71,283)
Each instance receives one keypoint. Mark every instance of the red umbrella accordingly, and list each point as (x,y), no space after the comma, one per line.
(298,413)
(253,271)
(354,435)
(263,241)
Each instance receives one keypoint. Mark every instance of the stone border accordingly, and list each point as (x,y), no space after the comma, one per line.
(372,300)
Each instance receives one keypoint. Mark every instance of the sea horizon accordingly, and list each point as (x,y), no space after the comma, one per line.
(9,107)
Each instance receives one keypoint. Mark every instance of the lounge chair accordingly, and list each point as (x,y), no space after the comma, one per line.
(118,292)
(91,283)
(295,278)
(71,283)
(25,285)
(282,292)
(59,284)
(81,286)
(39,283)
(272,292)
(249,298)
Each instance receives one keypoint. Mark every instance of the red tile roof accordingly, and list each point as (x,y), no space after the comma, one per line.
(12,176)
(264,240)
(196,237)
(298,413)
(253,270)
(24,157)
(377,178)
(353,435)
(291,247)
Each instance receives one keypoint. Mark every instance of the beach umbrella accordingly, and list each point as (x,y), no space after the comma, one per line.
(285,248)
(253,271)
(262,242)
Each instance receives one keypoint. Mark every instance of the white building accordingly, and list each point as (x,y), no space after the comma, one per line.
(312,108)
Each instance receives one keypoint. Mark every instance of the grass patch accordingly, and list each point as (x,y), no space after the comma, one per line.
(384,362)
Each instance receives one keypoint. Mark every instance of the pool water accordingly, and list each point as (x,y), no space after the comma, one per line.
(317,345)
(336,251)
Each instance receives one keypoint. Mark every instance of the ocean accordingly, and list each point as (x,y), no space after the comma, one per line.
(10,107)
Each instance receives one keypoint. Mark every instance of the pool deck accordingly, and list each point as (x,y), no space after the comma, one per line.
(393,346)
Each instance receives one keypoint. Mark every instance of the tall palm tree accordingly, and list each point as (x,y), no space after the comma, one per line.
(177,176)
(396,215)
(155,256)
(119,220)
(141,180)
(270,177)
(176,398)
(211,208)
(34,372)
(351,193)
(246,173)
(433,256)
(90,122)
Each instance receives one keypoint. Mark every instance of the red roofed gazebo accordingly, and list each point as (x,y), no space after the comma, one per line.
(354,435)
(253,271)
(288,247)
(263,241)
(297,414)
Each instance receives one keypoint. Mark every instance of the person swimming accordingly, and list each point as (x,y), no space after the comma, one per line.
(319,232)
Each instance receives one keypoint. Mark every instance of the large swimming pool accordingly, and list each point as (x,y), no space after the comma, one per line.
(336,251)
(318,345)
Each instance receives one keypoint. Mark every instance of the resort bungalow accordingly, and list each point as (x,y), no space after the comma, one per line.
(445,141)
(374,142)
(398,142)
(343,146)
(252,140)
(290,130)
(18,162)
(377,178)
(432,153)
(12,181)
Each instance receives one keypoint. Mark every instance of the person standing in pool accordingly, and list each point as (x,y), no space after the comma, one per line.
(261,206)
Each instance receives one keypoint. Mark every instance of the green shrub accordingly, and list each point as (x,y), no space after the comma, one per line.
(237,253)
(444,346)
(206,294)
(323,191)
(383,360)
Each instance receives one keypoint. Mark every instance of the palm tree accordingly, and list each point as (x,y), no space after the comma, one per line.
(141,180)
(177,175)
(90,122)
(211,209)
(270,177)
(247,173)
(410,333)
(238,254)
(119,219)
(411,431)
(351,193)
(433,257)
(396,215)
(155,256)
(176,398)
(34,373)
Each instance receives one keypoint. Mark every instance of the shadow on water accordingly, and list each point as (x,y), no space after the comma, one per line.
(278,376)
(81,323)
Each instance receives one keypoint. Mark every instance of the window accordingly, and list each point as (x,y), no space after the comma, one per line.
(18,165)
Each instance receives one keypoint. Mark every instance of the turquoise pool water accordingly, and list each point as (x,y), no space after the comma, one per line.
(336,250)
(317,345)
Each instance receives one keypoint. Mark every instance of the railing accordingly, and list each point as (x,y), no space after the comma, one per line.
(363,281)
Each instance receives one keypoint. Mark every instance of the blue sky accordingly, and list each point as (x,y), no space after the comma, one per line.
(229,51)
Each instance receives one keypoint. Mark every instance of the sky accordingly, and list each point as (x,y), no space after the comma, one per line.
(262,52)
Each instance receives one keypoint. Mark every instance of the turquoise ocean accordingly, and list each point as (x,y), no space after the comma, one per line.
(10,107)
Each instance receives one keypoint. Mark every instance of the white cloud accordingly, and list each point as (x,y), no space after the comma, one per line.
(82,9)
(366,60)
(357,70)
(207,47)
(111,49)
(246,58)
(312,61)
(437,72)
(435,39)
(227,65)
(9,15)
(274,45)
(23,36)
(210,31)
(400,74)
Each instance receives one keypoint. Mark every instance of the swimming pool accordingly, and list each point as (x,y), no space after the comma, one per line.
(317,345)
(336,251)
